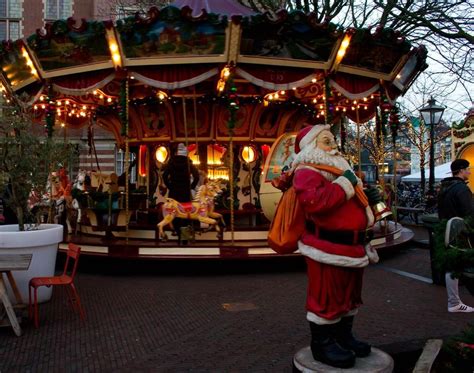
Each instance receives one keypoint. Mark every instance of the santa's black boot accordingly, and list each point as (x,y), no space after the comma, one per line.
(347,340)
(325,348)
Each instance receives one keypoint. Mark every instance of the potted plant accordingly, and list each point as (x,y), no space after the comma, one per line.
(27,159)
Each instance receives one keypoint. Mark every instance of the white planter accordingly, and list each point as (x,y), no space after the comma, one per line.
(43,244)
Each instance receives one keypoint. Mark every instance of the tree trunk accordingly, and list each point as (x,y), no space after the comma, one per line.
(422,170)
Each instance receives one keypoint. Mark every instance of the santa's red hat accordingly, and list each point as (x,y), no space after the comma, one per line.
(308,134)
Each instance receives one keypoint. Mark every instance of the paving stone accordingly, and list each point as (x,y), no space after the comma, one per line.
(169,317)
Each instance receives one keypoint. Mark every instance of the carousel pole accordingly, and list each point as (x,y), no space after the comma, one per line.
(195,121)
(231,181)
(185,121)
(233,108)
(127,156)
(359,157)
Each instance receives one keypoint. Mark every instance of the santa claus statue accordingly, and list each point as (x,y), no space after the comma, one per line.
(335,244)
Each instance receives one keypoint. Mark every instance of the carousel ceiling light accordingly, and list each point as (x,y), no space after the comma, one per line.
(114,47)
(29,62)
(248,154)
(161,154)
(161,95)
(342,51)
(67,102)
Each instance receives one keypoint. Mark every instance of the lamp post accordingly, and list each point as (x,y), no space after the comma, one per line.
(431,114)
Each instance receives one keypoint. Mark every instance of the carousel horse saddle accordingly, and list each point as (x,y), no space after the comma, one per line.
(187,208)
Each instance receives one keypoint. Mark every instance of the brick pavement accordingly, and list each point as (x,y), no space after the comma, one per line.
(170,316)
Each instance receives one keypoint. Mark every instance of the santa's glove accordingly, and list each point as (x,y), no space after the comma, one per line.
(349,175)
(373,195)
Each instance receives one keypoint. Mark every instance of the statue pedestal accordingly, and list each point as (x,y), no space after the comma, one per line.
(377,362)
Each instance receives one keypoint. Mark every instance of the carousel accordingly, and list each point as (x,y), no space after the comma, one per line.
(234,86)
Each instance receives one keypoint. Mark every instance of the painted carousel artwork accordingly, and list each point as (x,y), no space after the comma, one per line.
(232,85)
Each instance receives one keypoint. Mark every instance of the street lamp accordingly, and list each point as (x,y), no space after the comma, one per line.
(431,115)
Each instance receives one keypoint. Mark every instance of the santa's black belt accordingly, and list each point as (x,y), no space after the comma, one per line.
(345,237)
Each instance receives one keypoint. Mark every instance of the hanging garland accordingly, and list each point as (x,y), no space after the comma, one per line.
(50,113)
(328,95)
(123,112)
(378,126)
(462,134)
(394,122)
(343,136)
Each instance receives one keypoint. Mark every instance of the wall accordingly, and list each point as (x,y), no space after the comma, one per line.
(32,16)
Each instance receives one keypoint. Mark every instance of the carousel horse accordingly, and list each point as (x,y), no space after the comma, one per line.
(201,209)
(79,184)
(56,203)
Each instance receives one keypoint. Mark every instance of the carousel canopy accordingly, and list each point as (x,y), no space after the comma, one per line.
(171,75)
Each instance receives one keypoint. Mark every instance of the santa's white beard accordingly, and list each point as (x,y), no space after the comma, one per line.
(313,154)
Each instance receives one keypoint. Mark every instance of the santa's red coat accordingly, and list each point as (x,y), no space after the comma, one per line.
(335,270)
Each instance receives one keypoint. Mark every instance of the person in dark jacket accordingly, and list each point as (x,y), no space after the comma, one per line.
(455,200)
(177,178)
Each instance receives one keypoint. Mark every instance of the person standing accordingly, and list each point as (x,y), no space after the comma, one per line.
(335,245)
(177,178)
(455,200)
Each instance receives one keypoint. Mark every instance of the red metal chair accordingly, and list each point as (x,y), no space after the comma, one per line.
(65,279)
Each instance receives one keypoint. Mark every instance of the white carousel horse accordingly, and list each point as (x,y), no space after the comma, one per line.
(201,209)
(79,183)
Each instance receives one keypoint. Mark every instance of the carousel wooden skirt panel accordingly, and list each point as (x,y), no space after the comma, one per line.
(143,243)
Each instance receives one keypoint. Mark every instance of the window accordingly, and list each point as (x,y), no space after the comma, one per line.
(57,9)
(10,18)
(120,164)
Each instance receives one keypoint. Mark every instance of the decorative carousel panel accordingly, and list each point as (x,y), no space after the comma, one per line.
(168,33)
(65,46)
(154,120)
(16,67)
(380,52)
(293,36)
(280,157)
(268,120)
(197,122)
(243,118)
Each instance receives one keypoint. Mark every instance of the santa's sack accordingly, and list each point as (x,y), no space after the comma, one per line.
(287,225)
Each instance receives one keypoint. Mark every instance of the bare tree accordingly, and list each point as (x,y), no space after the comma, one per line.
(419,137)
(116,9)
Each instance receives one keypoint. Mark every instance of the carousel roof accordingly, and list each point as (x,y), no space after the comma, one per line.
(285,71)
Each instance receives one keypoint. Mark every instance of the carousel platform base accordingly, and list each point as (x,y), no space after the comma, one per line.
(377,362)
(242,244)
